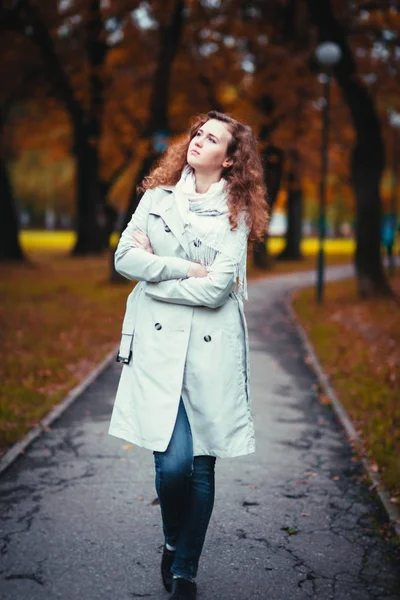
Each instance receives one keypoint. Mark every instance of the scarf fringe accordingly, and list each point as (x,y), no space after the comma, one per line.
(208,239)
(206,255)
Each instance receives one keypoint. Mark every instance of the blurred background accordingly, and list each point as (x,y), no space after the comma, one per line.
(93,91)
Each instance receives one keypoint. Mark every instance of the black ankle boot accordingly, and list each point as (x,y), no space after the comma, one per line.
(183,589)
(166,564)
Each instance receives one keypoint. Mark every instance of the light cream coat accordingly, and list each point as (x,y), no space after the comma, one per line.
(188,338)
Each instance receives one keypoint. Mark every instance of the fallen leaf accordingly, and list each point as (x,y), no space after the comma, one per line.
(323,398)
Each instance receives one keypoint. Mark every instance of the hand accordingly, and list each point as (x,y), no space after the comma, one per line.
(197,270)
(142,241)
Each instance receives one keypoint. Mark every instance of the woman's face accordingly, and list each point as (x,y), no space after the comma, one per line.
(207,151)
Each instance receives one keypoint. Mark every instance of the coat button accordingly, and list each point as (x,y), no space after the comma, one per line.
(167,229)
(207,338)
(158,326)
(197,243)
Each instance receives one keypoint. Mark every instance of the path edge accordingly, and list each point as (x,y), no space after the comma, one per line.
(392,510)
(55,413)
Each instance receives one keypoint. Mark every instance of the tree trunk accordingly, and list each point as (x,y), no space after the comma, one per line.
(368,158)
(144,170)
(367,164)
(90,214)
(134,199)
(170,36)
(366,175)
(169,41)
(10,248)
(261,258)
(92,225)
(272,159)
(157,121)
(292,250)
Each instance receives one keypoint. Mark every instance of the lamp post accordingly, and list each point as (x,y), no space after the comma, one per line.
(394,119)
(328,54)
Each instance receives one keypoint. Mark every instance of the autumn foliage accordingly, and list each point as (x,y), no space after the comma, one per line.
(253,60)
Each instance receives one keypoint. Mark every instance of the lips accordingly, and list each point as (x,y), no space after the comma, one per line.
(195,152)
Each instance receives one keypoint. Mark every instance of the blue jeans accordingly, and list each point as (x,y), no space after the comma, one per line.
(185,488)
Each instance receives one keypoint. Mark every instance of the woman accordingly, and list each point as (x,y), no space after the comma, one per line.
(184,389)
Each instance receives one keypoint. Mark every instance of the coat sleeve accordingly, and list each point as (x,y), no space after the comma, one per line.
(136,263)
(211,291)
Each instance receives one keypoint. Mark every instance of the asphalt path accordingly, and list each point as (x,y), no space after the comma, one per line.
(293,521)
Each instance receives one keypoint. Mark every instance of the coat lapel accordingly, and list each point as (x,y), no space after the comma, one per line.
(168,210)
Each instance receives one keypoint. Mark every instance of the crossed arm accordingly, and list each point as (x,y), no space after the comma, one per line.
(134,260)
(171,279)
(211,291)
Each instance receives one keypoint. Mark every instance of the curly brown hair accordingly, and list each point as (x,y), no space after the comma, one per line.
(245,182)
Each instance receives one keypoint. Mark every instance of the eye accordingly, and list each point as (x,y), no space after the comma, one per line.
(212,139)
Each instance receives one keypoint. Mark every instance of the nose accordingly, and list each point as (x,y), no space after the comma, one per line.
(198,141)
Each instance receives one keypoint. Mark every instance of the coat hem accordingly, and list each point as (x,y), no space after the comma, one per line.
(232,453)
(226,454)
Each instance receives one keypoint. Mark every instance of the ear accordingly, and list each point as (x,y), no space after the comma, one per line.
(228,162)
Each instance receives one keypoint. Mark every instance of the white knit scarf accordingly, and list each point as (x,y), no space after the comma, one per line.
(211,234)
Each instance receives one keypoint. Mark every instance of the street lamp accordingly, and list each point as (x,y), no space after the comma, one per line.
(328,54)
(394,120)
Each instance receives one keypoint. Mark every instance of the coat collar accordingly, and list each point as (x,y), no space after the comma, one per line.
(169,211)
